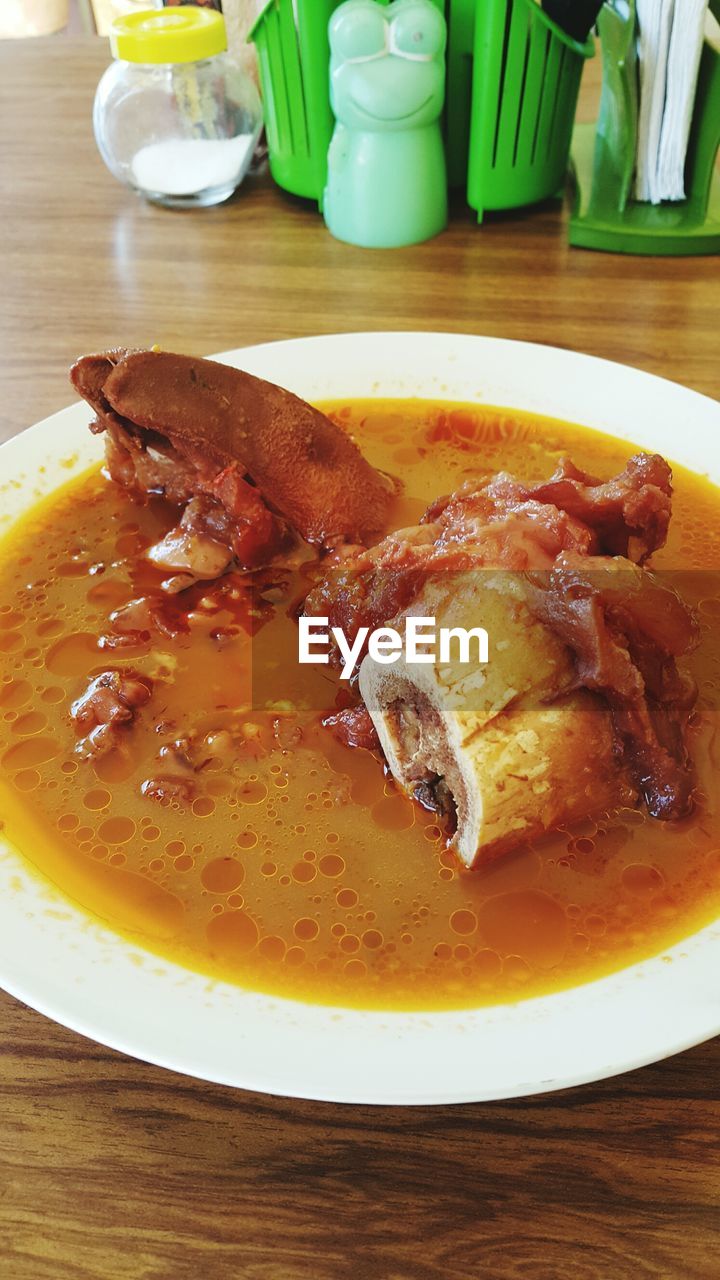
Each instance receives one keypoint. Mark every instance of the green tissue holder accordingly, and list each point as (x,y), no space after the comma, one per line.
(604,215)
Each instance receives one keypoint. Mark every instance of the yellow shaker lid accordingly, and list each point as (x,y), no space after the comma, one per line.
(182,33)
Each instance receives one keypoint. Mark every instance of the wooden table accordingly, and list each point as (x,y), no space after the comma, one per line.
(112,1170)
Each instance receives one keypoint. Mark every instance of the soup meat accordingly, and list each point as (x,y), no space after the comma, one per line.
(428,836)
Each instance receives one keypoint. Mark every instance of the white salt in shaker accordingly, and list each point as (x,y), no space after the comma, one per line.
(175,117)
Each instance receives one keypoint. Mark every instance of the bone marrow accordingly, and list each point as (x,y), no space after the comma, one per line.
(503,753)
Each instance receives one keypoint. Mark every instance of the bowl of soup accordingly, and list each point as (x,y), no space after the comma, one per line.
(234,891)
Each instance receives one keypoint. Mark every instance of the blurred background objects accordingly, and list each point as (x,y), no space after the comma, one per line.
(33,17)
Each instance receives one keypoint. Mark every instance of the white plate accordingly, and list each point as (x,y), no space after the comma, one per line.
(62,963)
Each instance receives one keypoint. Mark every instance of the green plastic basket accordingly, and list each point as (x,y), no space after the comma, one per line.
(294,77)
(513,80)
(526,78)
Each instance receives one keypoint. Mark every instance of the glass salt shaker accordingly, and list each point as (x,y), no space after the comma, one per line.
(175,117)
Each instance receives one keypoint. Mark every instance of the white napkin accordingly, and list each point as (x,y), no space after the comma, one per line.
(669,46)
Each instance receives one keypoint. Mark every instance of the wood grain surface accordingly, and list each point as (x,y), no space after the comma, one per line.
(112,1170)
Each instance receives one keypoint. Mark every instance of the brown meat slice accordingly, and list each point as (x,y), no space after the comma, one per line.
(221,503)
(499,522)
(190,548)
(168,789)
(197,418)
(626,629)
(109,704)
(353,726)
(629,513)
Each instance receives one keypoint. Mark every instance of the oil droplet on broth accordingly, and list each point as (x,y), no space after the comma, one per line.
(73,569)
(15,694)
(53,627)
(222,875)
(304,872)
(96,799)
(331,865)
(514,871)
(108,592)
(31,752)
(372,939)
(115,766)
(516,969)
(529,924)
(346,898)
(27,780)
(129,544)
(11,641)
(712,864)
(463,922)
(10,619)
(641,879)
(306,930)
(272,948)
(394,813)
(74,655)
(487,965)
(53,694)
(252,792)
(232,935)
(135,902)
(117,830)
(710,608)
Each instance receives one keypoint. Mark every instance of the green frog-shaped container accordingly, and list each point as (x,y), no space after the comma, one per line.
(387,181)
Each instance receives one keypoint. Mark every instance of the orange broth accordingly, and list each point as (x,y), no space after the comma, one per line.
(296,868)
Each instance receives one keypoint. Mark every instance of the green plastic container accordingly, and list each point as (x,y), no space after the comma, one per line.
(512,86)
(526,78)
(387,175)
(294,78)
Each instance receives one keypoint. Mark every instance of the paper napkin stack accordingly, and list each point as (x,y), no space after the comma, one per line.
(669,47)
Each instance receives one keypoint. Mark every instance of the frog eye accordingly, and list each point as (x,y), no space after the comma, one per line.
(358,33)
(418,33)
